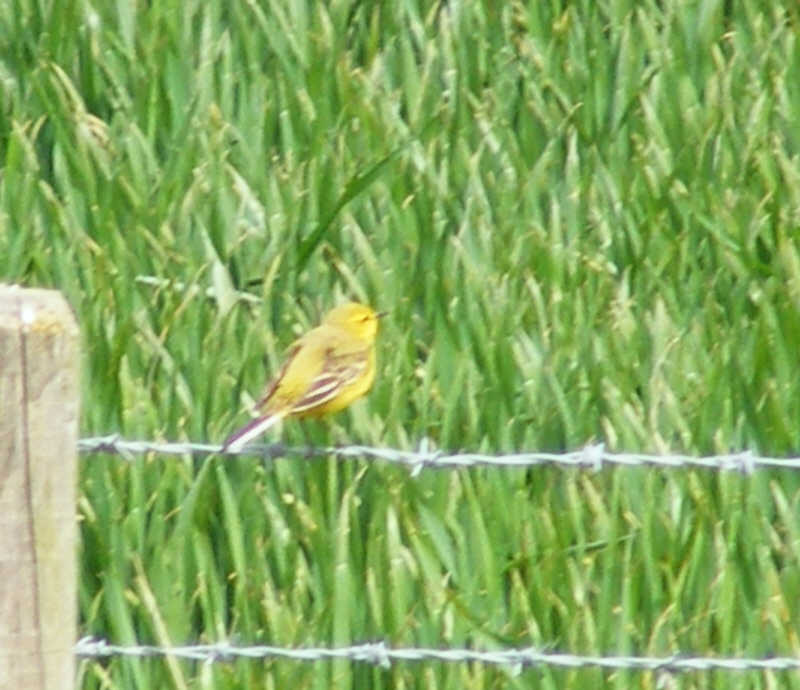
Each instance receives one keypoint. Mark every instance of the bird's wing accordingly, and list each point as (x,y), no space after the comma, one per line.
(338,371)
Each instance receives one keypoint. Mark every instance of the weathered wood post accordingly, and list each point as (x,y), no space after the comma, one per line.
(39,389)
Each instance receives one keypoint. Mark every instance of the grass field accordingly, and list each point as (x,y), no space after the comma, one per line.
(585,220)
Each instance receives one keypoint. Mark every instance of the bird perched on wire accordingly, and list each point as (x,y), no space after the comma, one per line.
(325,370)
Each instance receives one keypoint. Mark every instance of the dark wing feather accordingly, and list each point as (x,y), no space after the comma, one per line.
(338,372)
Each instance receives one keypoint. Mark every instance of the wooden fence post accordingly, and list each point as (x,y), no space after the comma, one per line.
(39,389)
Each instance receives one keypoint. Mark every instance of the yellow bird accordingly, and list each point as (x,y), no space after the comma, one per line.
(325,370)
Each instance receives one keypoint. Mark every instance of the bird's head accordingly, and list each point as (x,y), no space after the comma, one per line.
(358,319)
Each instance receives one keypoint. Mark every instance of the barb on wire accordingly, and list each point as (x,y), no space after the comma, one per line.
(592,456)
(379,654)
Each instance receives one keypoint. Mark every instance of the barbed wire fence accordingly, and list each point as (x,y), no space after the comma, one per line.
(38,492)
(379,654)
(594,457)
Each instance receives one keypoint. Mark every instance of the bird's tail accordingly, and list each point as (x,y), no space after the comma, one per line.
(238,439)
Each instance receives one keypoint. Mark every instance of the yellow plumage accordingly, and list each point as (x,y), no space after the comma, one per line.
(326,370)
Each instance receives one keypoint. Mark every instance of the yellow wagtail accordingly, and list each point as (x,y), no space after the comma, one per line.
(325,370)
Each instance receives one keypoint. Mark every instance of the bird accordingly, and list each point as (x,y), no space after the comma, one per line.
(325,370)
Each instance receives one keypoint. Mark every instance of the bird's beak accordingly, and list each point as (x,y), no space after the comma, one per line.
(381,314)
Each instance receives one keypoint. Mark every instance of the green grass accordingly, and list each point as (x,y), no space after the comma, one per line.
(584,218)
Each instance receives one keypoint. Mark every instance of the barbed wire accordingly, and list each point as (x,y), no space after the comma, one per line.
(380,654)
(592,456)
